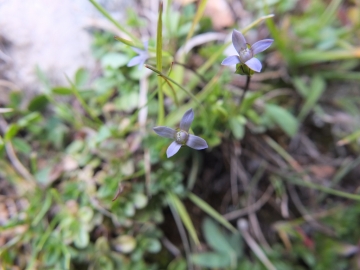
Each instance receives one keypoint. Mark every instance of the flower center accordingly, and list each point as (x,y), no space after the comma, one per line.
(181,137)
(245,55)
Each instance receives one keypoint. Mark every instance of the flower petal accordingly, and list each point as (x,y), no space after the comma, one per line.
(238,41)
(137,50)
(254,64)
(173,148)
(261,45)
(196,142)
(141,64)
(146,45)
(135,61)
(231,60)
(165,132)
(186,120)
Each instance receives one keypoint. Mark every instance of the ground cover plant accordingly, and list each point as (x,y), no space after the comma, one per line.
(262,171)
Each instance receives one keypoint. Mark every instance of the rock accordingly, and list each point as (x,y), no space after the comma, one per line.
(52,35)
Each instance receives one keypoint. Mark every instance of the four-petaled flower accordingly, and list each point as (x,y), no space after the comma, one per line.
(181,136)
(141,58)
(246,52)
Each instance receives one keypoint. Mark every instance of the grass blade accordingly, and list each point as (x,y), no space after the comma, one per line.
(179,207)
(82,101)
(299,182)
(108,16)
(197,18)
(350,138)
(318,56)
(316,89)
(211,211)
(129,42)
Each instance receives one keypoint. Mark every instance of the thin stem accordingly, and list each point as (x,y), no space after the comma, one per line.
(183,236)
(161,108)
(245,89)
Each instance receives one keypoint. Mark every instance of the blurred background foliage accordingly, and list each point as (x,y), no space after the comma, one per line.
(85,183)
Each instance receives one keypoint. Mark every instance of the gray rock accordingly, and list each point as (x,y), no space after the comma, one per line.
(50,34)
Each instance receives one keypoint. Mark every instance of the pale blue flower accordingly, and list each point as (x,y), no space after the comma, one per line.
(246,52)
(140,59)
(181,136)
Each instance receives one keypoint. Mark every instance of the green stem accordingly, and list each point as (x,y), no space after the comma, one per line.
(161,109)
(108,16)
(171,80)
(335,192)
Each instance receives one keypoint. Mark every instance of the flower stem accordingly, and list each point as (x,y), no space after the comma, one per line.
(161,111)
(245,89)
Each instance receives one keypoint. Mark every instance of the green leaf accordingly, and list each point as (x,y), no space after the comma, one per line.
(125,243)
(29,119)
(42,176)
(181,210)
(154,246)
(140,200)
(114,60)
(211,260)
(61,91)
(312,56)
(127,102)
(82,238)
(215,237)
(285,120)
(21,145)
(210,211)
(237,125)
(300,86)
(38,103)
(103,134)
(44,208)
(317,87)
(85,214)
(11,131)
(177,264)
(81,77)
(248,101)
(236,243)
(243,69)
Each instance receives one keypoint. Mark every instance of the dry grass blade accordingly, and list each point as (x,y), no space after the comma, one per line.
(243,227)
(251,208)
